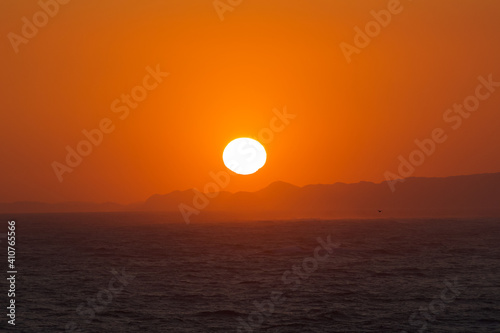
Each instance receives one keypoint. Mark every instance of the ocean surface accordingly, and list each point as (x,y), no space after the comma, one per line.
(124,272)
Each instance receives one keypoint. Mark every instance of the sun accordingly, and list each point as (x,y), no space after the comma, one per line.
(244,156)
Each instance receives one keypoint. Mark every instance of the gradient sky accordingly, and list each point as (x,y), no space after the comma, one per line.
(352,121)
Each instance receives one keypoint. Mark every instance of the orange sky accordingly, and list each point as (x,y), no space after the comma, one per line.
(225,78)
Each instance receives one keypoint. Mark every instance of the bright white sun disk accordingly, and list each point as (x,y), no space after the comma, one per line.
(244,156)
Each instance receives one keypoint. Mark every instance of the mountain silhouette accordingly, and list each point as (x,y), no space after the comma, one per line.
(471,195)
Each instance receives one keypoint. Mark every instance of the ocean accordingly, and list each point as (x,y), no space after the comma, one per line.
(140,272)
